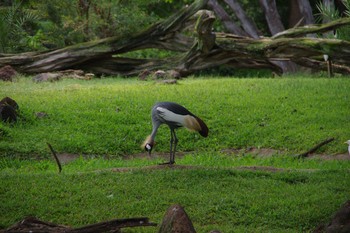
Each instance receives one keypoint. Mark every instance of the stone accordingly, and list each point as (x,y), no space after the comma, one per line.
(176,220)
(8,110)
(7,73)
(47,77)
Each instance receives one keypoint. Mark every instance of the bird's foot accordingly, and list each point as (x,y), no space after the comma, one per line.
(168,163)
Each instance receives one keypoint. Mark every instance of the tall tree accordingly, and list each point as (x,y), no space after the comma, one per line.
(247,23)
(272,16)
(225,18)
(300,13)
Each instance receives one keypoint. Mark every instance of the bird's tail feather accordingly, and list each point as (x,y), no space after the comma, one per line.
(196,124)
(204,128)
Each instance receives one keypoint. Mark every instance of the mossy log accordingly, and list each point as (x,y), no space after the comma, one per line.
(164,35)
(189,32)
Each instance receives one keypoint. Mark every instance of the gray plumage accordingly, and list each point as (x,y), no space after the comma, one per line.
(175,116)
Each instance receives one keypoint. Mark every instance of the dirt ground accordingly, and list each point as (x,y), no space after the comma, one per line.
(259,152)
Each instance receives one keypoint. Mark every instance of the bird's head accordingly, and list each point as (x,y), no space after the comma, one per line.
(148,148)
(148,144)
(347,142)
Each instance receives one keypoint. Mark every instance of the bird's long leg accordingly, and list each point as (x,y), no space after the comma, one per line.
(171,144)
(172,159)
(172,133)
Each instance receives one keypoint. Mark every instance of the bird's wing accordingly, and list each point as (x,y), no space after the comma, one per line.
(169,116)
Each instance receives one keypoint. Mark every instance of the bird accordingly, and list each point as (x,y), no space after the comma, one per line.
(348,142)
(175,116)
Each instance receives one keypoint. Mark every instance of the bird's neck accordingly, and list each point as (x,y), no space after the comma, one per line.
(153,134)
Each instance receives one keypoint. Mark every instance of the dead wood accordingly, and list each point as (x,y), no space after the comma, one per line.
(315,148)
(311,29)
(164,35)
(189,32)
(56,158)
(114,225)
(32,224)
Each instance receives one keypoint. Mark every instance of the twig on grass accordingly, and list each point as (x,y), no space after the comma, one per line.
(56,158)
(315,148)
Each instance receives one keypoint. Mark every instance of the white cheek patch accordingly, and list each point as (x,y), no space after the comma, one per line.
(148,147)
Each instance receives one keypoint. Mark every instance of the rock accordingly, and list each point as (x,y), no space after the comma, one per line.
(76,74)
(70,72)
(159,74)
(9,101)
(8,114)
(174,74)
(89,76)
(51,77)
(41,115)
(7,73)
(45,77)
(8,110)
(144,74)
(340,223)
(176,220)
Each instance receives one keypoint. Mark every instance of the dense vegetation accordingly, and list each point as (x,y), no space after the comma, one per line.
(42,25)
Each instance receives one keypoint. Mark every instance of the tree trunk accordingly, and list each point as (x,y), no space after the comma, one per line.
(275,25)
(295,16)
(306,11)
(300,13)
(247,24)
(225,18)
(272,16)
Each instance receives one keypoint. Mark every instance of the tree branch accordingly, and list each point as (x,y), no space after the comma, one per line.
(56,158)
(310,29)
(315,148)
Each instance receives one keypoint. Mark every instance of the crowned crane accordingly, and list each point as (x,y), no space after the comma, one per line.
(175,116)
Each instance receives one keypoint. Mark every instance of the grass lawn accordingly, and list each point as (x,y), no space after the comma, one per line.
(106,120)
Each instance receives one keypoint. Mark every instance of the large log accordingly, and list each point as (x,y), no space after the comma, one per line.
(190,33)
(163,35)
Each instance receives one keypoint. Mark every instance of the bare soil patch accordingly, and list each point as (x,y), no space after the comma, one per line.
(260,152)
(266,152)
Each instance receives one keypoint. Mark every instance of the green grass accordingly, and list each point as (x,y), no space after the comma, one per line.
(106,119)
(112,116)
(214,197)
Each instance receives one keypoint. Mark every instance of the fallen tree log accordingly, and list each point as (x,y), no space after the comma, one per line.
(189,32)
(32,224)
(163,35)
